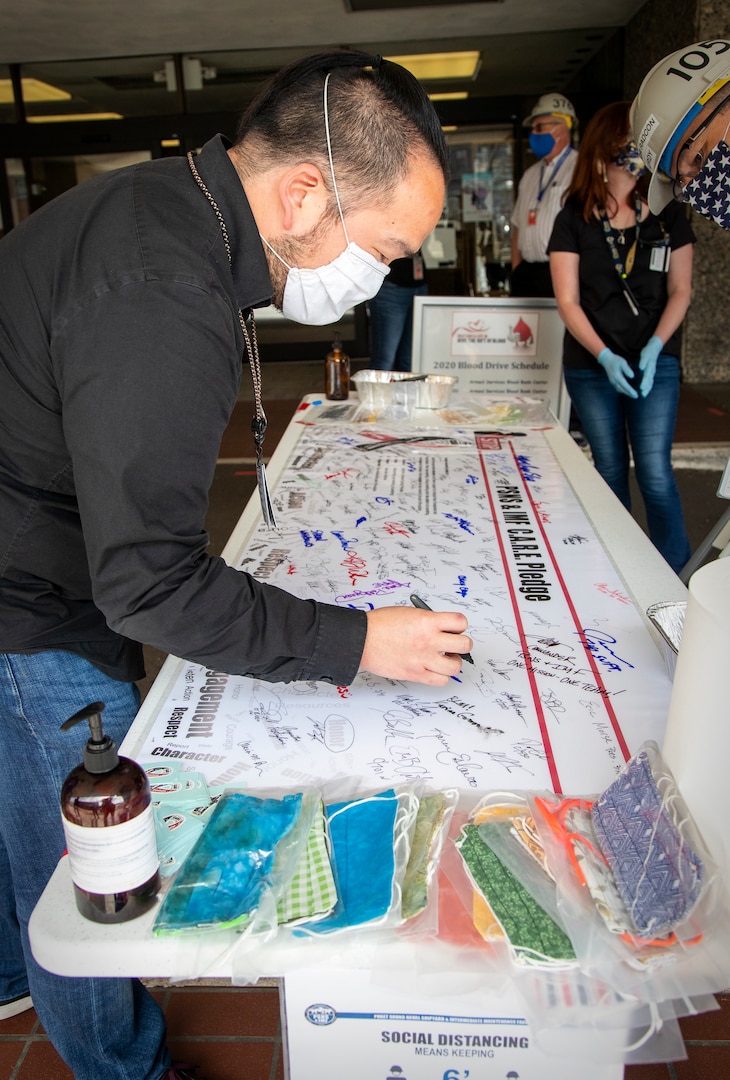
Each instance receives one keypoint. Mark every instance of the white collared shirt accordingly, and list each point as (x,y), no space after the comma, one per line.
(533,239)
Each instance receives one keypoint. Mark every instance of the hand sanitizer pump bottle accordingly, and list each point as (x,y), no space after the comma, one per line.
(109,828)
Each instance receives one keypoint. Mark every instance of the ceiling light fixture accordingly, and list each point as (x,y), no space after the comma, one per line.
(65,117)
(193,71)
(431,66)
(456,95)
(33,90)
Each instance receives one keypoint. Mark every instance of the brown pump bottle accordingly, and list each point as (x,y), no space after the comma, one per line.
(109,828)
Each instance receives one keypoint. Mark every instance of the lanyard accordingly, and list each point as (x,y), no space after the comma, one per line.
(553,173)
(258,423)
(622,272)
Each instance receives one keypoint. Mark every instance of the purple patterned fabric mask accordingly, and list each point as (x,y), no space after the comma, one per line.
(657,873)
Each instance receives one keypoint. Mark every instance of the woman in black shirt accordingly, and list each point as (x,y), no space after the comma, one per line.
(622,299)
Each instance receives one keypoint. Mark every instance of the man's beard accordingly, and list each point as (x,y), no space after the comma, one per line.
(277,271)
(294,250)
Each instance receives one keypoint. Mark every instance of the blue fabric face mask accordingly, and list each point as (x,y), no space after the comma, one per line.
(224,877)
(362,834)
(541,143)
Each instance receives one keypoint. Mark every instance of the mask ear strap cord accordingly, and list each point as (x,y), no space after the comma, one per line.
(329,155)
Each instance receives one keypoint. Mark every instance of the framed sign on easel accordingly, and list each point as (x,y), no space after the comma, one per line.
(495,345)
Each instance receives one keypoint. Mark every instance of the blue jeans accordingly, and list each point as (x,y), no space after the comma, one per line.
(613,421)
(391,326)
(104,1029)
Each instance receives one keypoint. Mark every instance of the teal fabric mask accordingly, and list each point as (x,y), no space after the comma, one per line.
(362,833)
(223,878)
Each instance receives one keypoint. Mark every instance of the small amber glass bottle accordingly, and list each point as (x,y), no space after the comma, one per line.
(337,373)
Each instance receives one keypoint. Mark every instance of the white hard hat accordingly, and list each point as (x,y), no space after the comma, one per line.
(671,95)
(549,104)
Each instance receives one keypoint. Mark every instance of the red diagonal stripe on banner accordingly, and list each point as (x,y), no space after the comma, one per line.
(555,779)
(574,615)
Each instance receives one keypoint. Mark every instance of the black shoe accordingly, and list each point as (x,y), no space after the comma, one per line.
(182,1072)
(15,1006)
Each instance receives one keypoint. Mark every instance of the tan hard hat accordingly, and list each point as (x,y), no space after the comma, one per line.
(674,91)
(548,105)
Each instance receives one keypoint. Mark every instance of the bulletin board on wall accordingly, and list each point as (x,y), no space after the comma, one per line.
(502,345)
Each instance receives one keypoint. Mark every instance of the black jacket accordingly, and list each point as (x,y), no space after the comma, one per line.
(120,361)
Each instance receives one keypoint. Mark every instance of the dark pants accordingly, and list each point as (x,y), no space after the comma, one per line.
(391,326)
(531,279)
(103,1028)
(612,422)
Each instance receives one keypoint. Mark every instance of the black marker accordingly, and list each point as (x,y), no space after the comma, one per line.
(417,602)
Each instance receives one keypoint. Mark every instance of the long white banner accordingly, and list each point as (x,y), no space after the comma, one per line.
(566,683)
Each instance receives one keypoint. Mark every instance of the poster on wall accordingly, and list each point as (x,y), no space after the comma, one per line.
(476,196)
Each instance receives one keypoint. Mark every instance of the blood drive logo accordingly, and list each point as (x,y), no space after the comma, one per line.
(521,334)
(498,334)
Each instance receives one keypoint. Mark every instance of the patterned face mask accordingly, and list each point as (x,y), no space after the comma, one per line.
(629,159)
(657,873)
(534,938)
(224,877)
(709,192)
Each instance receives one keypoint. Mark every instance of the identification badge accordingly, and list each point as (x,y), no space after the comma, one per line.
(532,217)
(417,268)
(660,258)
(267,509)
(258,427)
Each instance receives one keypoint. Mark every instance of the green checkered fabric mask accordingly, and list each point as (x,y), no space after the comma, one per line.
(533,936)
(312,891)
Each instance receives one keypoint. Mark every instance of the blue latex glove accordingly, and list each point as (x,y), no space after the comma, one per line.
(618,371)
(647,364)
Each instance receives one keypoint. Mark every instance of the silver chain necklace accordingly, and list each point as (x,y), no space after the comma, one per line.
(258,423)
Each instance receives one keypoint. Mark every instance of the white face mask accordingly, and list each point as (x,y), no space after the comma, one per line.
(323,294)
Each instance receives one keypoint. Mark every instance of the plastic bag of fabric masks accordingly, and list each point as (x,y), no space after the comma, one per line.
(645,904)
(513,898)
(369,836)
(241,864)
(419,891)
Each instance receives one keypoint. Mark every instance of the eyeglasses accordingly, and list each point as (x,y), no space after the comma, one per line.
(539,126)
(689,161)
